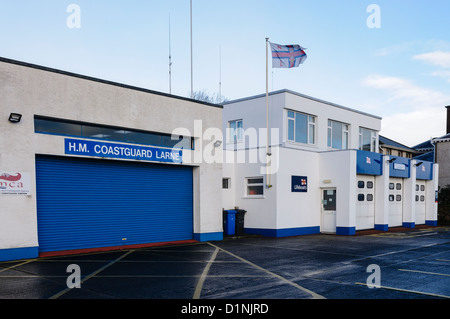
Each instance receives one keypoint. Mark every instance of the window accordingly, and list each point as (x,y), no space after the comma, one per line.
(369,197)
(399,198)
(360,197)
(391,198)
(255,186)
(398,186)
(417,188)
(422,188)
(337,135)
(301,128)
(417,198)
(360,184)
(367,140)
(369,185)
(236,131)
(391,185)
(45,125)
(422,198)
(226,183)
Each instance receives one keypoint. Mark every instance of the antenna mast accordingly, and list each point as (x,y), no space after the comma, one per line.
(170,62)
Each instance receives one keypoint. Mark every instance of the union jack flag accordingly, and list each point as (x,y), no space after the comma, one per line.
(287,56)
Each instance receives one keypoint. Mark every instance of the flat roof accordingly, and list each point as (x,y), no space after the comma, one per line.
(89,78)
(304,96)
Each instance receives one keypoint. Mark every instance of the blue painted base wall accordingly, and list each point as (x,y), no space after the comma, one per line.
(202,237)
(18,253)
(284,232)
(346,231)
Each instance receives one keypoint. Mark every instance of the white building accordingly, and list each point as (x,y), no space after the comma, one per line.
(325,174)
(87,164)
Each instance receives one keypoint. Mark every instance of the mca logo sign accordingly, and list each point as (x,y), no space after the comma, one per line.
(14,183)
(299,184)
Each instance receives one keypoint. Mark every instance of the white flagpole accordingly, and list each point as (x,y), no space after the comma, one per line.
(192,81)
(267,115)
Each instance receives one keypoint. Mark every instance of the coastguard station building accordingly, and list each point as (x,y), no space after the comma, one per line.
(87,164)
(324,173)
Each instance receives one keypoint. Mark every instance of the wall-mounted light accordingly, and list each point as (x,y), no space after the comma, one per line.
(15,117)
(418,164)
(217,143)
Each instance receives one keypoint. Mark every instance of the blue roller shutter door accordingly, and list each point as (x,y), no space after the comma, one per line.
(88,203)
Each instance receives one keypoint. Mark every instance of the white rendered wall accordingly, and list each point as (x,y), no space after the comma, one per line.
(31,91)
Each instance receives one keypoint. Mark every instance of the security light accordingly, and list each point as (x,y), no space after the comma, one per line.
(392,160)
(418,164)
(15,117)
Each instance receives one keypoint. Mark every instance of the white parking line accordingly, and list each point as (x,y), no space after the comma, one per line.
(425,272)
(312,293)
(59,294)
(406,290)
(198,289)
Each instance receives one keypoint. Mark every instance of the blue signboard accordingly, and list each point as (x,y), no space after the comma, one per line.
(399,167)
(424,170)
(125,151)
(369,163)
(299,184)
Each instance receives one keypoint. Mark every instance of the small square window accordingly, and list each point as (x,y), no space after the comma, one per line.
(225,183)
(399,198)
(391,198)
(369,197)
(360,197)
(360,184)
(391,185)
(369,185)
(422,188)
(417,187)
(255,186)
(398,186)
(422,198)
(417,198)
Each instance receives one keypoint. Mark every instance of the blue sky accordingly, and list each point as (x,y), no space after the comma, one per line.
(400,71)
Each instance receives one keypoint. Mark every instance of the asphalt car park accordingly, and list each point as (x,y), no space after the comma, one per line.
(406,264)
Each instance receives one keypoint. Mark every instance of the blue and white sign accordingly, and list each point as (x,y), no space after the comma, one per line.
(299,184)
(125,151)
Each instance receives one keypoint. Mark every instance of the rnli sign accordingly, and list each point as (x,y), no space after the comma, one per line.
(299,184)
(15,183)
(125,151)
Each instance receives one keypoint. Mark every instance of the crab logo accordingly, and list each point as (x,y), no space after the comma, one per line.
(10,178)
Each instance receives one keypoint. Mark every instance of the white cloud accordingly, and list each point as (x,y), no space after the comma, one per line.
(411,113)
(414,127)
(439,58)
(405,92)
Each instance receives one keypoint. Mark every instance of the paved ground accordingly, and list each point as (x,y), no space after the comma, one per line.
(412,265)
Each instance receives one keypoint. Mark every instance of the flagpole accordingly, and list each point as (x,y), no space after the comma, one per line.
(192,69)
(267,115)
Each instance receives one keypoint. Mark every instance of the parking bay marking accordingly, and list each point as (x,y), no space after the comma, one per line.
(312,293)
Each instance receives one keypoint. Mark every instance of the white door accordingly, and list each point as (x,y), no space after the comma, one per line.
(328,210)
(395,202)
(365,202)
(420,202)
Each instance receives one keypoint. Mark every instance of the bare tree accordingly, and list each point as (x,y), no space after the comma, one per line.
(205,96)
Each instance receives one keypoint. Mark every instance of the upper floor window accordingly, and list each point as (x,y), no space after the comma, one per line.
(236,131)
(337,135)
(367,140)
(45,125)
(301,128)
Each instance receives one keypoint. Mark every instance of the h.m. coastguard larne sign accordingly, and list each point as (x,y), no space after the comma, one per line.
(124,151)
